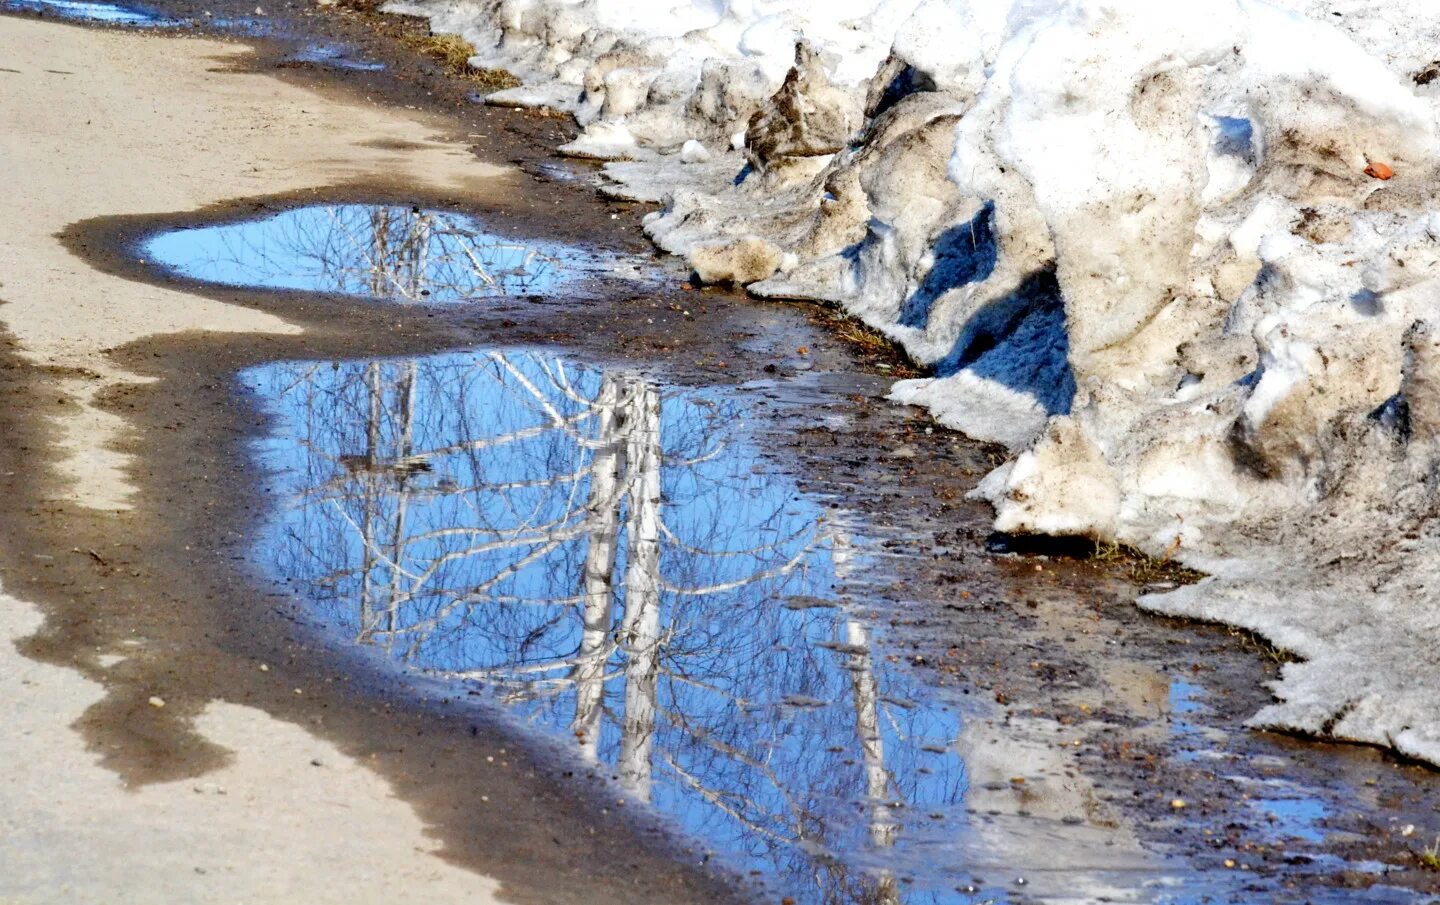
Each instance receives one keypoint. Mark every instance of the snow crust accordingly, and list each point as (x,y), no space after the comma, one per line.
(1181,259)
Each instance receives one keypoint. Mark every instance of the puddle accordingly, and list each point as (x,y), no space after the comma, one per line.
(390,252)
(332,56)
(81,11)
(615,563)
(560,172)
(1298,818)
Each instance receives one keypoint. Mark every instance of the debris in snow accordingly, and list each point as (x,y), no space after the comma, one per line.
(743,260)
(807,117)
(1179,258)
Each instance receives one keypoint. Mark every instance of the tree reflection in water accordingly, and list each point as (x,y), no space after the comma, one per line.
(614,562)
(390,252)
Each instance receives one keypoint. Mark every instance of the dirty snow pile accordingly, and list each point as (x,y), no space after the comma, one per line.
(1180,258)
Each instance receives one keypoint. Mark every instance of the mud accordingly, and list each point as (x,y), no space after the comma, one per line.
(1085,720)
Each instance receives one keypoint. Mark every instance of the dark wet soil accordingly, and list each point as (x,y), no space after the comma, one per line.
(1144,713)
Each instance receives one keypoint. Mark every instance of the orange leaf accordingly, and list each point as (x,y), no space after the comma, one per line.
(1379,171)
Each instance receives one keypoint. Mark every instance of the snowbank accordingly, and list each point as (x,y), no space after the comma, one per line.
(1179,258)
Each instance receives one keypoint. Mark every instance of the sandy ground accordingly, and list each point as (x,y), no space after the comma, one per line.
(95,123)
(289,819)
(99,123)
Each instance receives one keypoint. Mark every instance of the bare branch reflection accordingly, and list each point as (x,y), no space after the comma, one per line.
(398,253)
(612,561)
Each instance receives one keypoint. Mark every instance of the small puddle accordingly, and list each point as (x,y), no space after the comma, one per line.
(332,56)
(81,11)
(615,563)
(387,252)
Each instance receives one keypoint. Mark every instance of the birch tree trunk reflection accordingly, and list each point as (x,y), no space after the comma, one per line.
(866,696)
(603,509)
(370,507)
(640,633)
(609,559)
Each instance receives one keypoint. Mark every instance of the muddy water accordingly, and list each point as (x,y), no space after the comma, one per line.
(385,252)
(612,561)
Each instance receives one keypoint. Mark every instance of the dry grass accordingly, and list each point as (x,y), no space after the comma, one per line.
(454,53)
(1429,858)
(452,50)
(1251,641)
(885,353)
(854,331)
(1144,569)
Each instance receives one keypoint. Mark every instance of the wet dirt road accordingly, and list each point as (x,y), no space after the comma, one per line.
(1082,747)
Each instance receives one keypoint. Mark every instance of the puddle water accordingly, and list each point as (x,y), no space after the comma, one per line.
(390,252)
(79,10)
(334,56)
(614,562)
(1299,818)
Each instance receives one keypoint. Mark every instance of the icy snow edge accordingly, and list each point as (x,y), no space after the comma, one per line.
(1180,258)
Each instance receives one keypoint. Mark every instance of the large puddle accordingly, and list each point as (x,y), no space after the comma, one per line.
(614,562)
(82,11)
(394,253)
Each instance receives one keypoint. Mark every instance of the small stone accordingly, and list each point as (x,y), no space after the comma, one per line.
(156,701)
(1177,803)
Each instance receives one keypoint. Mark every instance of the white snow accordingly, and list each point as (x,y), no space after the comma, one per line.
(1146,246)
(694,152)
